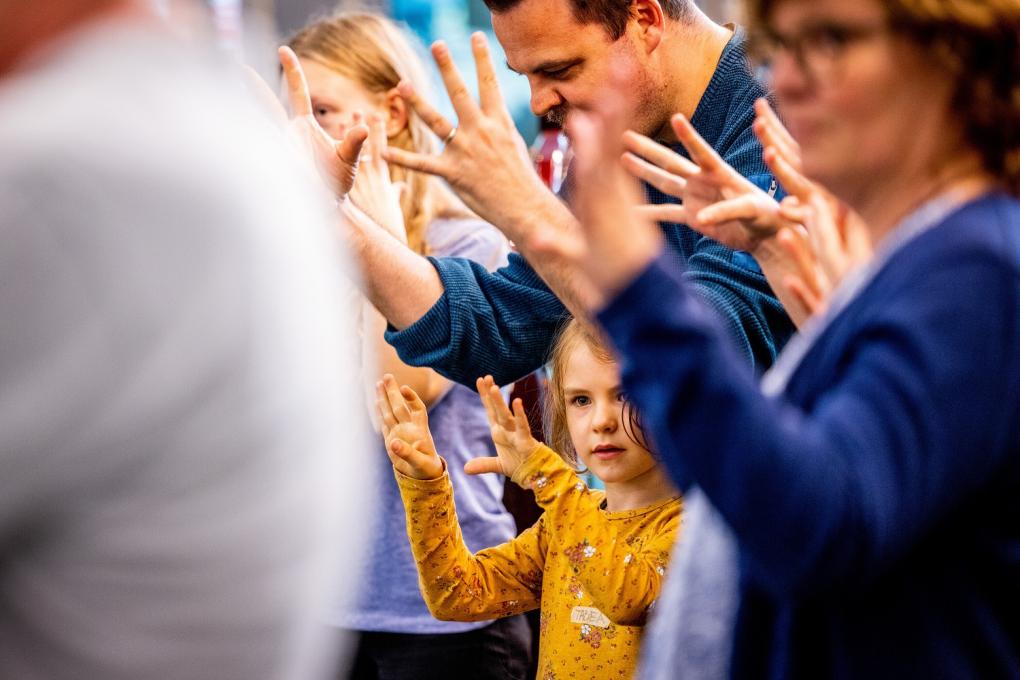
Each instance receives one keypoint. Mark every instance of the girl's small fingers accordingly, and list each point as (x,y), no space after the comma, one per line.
(400,449)
(383,402)
(348,149)
(385,417)
(401,411)
(521,416)
(481,466)
(503,414)
(412,399)
(483,394)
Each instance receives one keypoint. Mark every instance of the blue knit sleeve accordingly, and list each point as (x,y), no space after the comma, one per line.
(500,323)
(838,487)
(732,284)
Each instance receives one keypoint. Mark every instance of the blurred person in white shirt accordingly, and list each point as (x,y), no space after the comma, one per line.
(176,383)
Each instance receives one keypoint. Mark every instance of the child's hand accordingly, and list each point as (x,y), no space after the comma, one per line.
(405,427)
(510,432)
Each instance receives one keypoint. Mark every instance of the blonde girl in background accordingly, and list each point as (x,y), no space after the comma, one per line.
(353,63)
(594,561)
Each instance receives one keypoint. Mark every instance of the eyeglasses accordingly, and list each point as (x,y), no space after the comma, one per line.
(818,49)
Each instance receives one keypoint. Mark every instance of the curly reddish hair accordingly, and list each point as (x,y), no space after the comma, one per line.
(978,43)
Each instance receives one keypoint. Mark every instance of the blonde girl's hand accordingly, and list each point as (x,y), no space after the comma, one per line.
(405,428)
(511,433)
(374,193)
(335,160)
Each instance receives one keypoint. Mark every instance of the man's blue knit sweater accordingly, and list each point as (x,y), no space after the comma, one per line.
(503,323)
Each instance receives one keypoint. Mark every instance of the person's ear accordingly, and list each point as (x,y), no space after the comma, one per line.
(397,113)
(649,20)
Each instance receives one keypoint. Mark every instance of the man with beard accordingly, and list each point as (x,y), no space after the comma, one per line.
(466,322)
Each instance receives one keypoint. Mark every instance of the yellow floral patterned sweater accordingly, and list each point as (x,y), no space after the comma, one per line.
(594,573)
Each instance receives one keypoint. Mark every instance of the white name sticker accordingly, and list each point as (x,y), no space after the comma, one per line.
(590,616)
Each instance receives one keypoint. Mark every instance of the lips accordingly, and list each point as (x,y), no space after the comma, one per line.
(606,451)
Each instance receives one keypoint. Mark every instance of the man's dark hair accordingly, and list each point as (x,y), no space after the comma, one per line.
(612,14)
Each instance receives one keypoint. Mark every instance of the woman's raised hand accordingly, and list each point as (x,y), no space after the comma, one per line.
(405,428)
(823,239)
(605,196)
(717,200)
(511,433)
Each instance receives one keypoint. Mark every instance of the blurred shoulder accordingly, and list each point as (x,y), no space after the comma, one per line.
(468,237)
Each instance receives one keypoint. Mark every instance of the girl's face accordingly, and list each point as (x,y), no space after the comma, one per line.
(594,406)
(335,98)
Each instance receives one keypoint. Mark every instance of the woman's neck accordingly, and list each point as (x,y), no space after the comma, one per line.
(887,204)
(646,489)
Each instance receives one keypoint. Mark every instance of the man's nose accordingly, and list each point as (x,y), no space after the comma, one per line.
(544,99)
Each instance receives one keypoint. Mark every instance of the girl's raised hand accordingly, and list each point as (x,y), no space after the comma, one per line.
(511,433)
(405,427)
(373,192)
(336,160)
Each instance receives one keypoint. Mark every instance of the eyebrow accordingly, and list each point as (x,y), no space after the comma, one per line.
(551,65)
(570,389)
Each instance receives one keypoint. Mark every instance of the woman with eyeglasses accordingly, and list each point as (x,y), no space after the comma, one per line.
(869,502)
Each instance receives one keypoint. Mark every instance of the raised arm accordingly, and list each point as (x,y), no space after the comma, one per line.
(498,323)
(623,579)
(486,162)
(852,481)
(804,245)
(457,586)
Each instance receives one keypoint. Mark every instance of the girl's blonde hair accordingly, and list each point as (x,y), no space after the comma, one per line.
(372,51)
(572,335)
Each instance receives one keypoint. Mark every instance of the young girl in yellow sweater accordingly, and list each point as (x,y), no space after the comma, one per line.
(594,561)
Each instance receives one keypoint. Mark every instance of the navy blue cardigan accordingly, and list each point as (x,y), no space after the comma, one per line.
(877,503)
(503,323)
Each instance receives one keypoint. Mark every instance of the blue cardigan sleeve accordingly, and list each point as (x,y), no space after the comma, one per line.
(834,490)
(500,323)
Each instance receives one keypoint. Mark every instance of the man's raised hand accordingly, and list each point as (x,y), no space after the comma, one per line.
(484,158)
